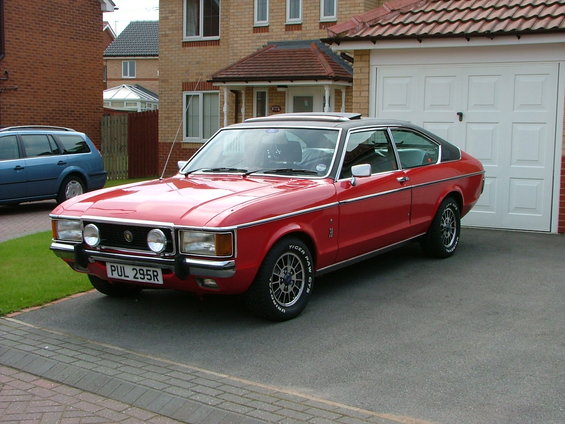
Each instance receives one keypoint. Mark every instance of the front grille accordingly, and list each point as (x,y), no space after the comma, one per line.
(113,236)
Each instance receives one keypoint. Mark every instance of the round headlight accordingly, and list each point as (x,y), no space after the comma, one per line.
(156,240)
(91,235)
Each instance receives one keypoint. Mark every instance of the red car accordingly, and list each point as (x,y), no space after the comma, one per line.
(267,205)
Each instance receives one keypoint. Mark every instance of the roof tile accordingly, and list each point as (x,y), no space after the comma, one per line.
(139,38)
(429,18)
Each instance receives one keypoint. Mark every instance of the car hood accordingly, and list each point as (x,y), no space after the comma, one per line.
(202,200)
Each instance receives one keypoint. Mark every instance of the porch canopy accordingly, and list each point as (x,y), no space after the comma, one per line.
(284,64)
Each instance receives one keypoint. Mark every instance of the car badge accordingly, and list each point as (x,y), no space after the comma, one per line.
(128,236)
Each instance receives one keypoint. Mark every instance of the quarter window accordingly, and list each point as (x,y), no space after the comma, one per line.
(73,144)
(293,11)
(369,147)
(328,10)
(128,69)
(261,13)
(414,149)
(202,115)
(201,19)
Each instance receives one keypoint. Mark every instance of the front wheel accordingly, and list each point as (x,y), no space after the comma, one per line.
(113,290)
(443,236)
(284,282)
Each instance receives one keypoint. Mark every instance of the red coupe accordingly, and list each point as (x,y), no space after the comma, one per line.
(267,205)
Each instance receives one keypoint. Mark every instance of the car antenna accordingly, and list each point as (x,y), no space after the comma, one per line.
(178,131)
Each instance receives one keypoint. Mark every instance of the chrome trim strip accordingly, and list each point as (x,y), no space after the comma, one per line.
(287,215)
(129,259)
(364,256)
(121,221)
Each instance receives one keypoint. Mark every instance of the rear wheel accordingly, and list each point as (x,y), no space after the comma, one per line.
(443,236)
(284,282)
(113,290)
(72,186)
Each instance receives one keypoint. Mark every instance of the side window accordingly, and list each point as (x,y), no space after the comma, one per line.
(414,149)
(73,144)
(39,145)
(128,69)
(369,147)
(9,147)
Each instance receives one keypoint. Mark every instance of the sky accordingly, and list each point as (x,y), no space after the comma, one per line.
(132,10)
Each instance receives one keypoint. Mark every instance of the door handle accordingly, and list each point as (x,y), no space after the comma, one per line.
(61,162)
(460,115)
(19,168)
(403,179)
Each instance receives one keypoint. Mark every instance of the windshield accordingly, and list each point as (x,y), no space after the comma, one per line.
(282,151)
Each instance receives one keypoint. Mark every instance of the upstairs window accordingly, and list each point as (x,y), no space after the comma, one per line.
(128,69)
(201,19)
(261,17)
(293,11)
(328,10)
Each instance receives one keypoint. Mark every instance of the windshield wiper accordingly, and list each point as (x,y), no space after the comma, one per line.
(239,170)
(284,171)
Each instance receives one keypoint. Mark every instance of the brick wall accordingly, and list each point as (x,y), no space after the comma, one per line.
(53,56)
(146,73)
(195,62)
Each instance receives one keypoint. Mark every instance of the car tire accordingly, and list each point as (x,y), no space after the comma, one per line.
(284,282)
(442,238)
(72,186)
(115,289)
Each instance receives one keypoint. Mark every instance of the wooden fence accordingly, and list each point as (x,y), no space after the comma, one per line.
(130,145)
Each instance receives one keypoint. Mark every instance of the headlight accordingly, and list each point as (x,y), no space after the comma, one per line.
(67,229)
(206,244)
(91,235)
(156,240)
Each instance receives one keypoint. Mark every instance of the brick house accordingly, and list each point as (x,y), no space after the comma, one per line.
(485,75)
(209,51)
(54,79)
(133,57)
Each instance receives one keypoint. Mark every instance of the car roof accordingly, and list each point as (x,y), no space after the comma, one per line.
(36,128)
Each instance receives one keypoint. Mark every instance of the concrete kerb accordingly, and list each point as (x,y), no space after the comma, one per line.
(159,387)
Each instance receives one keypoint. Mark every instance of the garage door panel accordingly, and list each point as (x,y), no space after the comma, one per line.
(525,197)
(485,93)
(440,93)
(444,129)
(532,93)
(483,142)
(398,94)
(528,146)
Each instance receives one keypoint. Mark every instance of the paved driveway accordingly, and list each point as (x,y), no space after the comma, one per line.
(477,338)
(23,219)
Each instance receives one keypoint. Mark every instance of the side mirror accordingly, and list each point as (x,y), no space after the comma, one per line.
(181,164)
(362,170)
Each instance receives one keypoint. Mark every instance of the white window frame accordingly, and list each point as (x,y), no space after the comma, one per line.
(200,138)
(260,90)
(328,18)
(127,75)
(256,20)
(290,20)
(201,23)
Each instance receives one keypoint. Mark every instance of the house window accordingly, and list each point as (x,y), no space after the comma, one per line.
(293,11)
(128,69)
(260,104)
(328,10)
(261,13)
(201,19)
(201,116)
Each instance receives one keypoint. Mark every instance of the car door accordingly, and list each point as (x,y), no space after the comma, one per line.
(43,164)
(374,211)
(13,174)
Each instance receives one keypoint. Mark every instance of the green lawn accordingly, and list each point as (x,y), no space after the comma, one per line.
(31,275)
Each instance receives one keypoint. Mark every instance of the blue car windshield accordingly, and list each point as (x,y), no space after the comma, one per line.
(280,151)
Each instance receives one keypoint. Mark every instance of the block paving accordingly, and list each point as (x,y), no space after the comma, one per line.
(52,377)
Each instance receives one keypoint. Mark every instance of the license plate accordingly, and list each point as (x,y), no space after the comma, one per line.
(140,274)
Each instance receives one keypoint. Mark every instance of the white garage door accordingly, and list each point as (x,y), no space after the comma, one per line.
(504,115)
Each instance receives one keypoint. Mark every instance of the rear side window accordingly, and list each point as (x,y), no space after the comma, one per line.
(73,144)
(414,150)
(39,145)
(9,147)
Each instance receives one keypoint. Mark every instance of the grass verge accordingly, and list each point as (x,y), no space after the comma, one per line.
(31,275)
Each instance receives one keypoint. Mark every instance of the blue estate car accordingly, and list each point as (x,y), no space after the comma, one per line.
(38,163)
